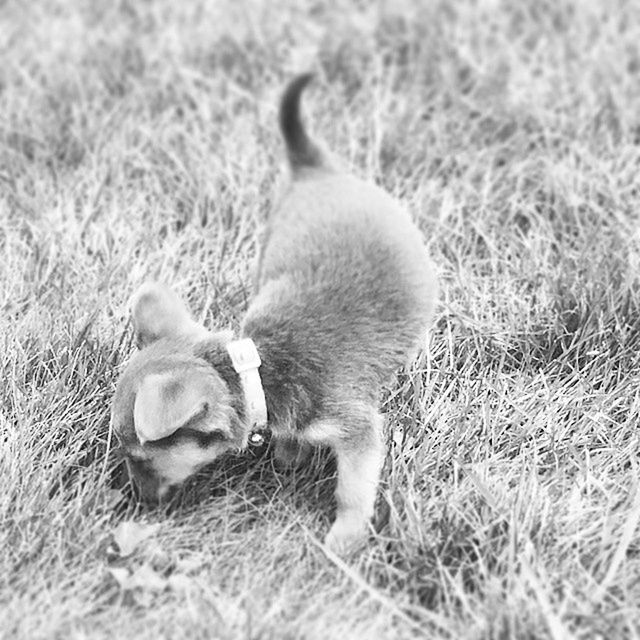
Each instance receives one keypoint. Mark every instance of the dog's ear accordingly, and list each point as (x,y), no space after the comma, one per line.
(157,312)
(166,402)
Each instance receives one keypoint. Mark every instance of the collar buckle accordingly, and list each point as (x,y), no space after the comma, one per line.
(244,355)
(257,437)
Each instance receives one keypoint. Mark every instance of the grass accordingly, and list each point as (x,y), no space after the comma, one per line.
(138,141)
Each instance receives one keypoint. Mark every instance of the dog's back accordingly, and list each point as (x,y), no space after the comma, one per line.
(343,271)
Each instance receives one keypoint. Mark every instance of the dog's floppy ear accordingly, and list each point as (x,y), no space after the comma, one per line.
(157,312)
(166,402)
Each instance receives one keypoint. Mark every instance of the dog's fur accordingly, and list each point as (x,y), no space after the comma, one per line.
(345,293)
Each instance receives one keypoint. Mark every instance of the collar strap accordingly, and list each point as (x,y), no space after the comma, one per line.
(246,361)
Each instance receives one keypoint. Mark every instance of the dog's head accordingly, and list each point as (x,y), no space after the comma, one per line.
(172,411)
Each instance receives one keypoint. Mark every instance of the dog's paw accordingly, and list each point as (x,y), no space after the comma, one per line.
(290,454)
(346,537)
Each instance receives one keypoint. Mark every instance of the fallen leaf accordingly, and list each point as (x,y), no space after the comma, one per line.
(190,564)
(143,578)
(146,578)
(180,583)
(159,558)
(143,599)
(122,576)
(129,534)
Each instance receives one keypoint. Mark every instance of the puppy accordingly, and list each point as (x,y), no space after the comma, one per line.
(344,296)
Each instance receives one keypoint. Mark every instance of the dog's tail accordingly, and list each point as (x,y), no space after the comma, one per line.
(303,152)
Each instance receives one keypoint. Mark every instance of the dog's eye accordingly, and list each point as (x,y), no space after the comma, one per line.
(189,434)
(207,439)
(201,438)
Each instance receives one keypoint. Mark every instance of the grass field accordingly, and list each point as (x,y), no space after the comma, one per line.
(138,141)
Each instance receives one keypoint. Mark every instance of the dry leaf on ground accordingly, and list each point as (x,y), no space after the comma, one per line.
(129,534)
(144,577)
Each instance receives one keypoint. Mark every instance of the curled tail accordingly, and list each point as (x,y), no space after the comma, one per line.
(301,149)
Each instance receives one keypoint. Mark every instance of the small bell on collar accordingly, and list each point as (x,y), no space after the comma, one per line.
(256,438)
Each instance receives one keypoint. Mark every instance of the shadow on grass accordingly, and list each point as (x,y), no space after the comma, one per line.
(250,475)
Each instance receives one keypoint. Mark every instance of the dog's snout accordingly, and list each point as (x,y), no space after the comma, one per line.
(153,493)
(145,491)
(146,487)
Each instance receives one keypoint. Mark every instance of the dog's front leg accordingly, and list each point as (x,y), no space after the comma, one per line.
(359,466)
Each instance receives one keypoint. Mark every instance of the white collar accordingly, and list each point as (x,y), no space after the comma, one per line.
(246,361)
